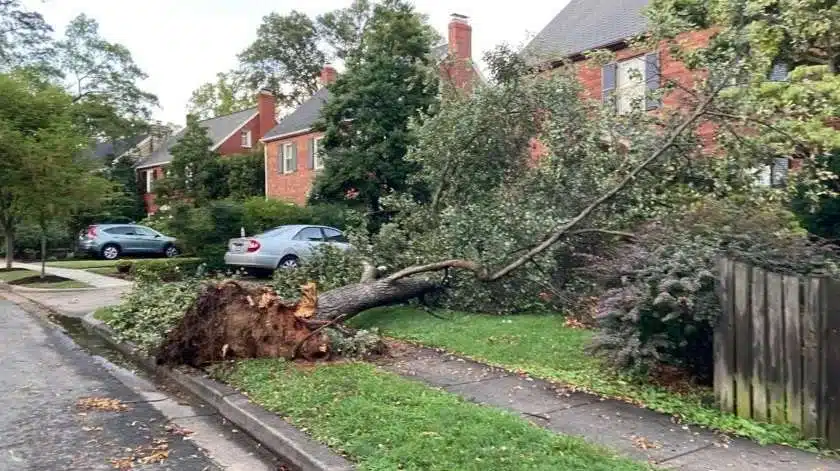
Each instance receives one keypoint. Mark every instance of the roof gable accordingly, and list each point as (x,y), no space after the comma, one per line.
(588,24)
(218,129)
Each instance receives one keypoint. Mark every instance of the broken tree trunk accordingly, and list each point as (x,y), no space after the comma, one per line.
(347,301)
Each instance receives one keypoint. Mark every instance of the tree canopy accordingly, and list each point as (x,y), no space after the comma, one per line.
(24,36)
(390,81)
(227,94)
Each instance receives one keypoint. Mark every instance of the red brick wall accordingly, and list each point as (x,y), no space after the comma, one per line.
(149,198)
(293,186)
(671,70)
(233,145)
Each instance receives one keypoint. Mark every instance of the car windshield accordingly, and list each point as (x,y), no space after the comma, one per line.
(274,232)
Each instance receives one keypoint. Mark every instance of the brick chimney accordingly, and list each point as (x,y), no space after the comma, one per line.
(460,51)
(267,107)
(328,75)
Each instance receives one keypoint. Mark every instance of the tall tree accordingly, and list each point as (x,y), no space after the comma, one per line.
(24,36)
(390,81)
(227,94)
(193,173)
(42,178)
(285,57)
(102,78)
(342,29)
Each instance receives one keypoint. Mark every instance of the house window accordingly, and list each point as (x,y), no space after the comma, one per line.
(630,84)
(316,153)
(150,178)
(288,158)
(246,138)
(774,174)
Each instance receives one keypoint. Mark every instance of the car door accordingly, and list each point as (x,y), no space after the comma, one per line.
(335,238)
(148,240)
(124,237)
(307,240)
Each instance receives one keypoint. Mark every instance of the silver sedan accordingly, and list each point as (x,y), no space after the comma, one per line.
(281,247)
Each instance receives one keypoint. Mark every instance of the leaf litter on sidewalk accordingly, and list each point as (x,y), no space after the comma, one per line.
(104,404)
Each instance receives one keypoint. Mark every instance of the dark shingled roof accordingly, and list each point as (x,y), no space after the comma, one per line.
(302,118)
(218,128)
(588,24)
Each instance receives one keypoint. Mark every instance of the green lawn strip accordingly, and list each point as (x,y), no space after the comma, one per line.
(544,347)
(94,263)
(103,314)
(107,271)
(32,279)
(382,421)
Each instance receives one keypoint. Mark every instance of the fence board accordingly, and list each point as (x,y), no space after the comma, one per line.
(811,384)
(774,348)
(743,361)
(759,344)
(793,350)
(725,344)
(831,349)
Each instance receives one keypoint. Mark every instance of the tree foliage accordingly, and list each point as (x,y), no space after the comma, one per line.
(342,29)
(103,79)
(390,82)
(227,94)
(24,36)
(192,174)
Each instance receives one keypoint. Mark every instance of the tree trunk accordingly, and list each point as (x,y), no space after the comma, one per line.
(43,255)
(9,234)
(347,301)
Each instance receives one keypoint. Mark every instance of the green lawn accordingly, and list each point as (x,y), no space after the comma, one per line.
(107,271)
(32,279)
(382,421)
(541,345)
(94,263)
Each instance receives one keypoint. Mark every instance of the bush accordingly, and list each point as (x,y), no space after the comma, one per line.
(660,306)
(164,270)
(151,310)
(28,240)
(328,268)
(244,175)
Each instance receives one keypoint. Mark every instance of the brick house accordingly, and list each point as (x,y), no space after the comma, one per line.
(292,147)
(585,25)
(234,133)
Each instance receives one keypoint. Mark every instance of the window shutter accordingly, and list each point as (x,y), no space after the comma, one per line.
(294,157)
(779,72)
(280,168)
(780,171)
(652,73)
(608,81)
(310,160)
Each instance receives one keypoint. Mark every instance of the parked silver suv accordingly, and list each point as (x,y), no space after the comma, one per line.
(109,241)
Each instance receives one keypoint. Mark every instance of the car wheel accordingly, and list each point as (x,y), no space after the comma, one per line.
(289,262)
(110,252)
(171,251)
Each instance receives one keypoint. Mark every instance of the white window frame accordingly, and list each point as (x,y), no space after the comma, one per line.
(317,161)
(245,138)
(150,175)
(288,156)
(630,84)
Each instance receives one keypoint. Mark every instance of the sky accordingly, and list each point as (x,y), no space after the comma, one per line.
(182,44)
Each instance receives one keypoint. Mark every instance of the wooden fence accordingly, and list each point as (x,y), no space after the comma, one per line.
(777,349)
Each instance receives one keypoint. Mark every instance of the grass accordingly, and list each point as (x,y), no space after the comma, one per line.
(382,421)
(544,347)
(88,264)
(32,279)
(107,271)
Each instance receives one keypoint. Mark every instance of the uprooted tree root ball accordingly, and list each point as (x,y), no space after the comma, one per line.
(230,320)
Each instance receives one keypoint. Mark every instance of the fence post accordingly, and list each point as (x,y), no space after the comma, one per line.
(743,337)
(793,349)
(725,346)
(775,348)
(811,377)
(759,345)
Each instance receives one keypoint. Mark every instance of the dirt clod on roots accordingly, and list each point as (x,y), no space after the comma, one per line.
(229,320)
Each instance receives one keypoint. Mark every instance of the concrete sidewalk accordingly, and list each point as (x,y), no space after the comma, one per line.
(93,279)
(627,429)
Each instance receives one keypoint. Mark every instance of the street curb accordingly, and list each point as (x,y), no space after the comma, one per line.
(270,430)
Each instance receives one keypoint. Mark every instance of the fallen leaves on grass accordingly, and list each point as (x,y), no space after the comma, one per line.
(105,404)
(574,324)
